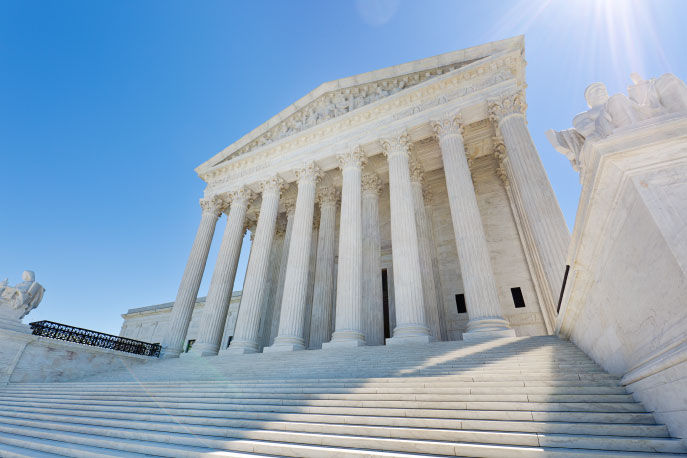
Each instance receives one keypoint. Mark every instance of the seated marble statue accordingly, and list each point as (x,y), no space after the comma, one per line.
(23,297)
(647,99)
(664,95)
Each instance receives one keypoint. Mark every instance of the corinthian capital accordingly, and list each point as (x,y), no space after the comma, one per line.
(396,144)
(417,172)
(274,184)
(290,206)
(371,183)
(448,125)
(355,158)
(214,205)
(506,105)
(310,173)
(327,195)
(242,196)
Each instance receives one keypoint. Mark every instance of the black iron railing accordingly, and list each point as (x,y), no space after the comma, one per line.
(94,339)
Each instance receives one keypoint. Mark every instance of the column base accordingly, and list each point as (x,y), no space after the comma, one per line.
(405,340)
(170,353)
(240,347)
(345,339)
(285,343)
(487,328)
(201,349)
(412,330)
(277,348)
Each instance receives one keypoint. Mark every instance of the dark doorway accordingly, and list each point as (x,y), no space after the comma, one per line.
(385,303)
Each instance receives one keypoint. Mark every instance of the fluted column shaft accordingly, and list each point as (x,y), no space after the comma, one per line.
(248,323)
(311,282)
(373,306)
(410,313)
(349,298)
(323,297)
(541,213)
(429,210)
(222,283)
(182,311)
(290,206)
(481,296)
(273,275)
(425,250)
(290,336)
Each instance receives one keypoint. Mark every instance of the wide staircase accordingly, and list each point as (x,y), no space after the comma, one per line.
(525,397)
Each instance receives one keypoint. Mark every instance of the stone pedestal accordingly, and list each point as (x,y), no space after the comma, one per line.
(248,323)
(173,343)
(349,305)
(410,314)
(481,297)
(221,286)
(290,337)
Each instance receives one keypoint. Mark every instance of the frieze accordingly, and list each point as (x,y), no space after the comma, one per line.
(502,69)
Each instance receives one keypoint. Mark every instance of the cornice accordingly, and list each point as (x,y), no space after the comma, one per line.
(390,79)
(459,83)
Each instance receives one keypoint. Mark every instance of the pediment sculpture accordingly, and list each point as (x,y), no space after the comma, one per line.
(646,99)
(17,301)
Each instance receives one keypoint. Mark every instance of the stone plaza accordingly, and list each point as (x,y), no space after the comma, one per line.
(412,287)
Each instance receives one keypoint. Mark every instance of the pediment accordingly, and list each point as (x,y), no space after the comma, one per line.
(340,97)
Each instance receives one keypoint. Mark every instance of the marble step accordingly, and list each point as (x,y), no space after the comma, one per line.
(314,389)
(445,381)
(476,377)
(254,410)
(483,403)
(341,442)
(29,444)
(249,397)
(13,451)
(257,419)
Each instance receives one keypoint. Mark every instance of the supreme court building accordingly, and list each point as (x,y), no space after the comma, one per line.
(403,205)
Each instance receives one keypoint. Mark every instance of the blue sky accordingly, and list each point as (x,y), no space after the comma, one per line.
(106,107)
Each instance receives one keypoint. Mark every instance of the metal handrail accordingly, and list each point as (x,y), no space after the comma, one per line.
(83,336)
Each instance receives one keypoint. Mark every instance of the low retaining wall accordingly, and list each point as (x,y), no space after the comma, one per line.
(28,358)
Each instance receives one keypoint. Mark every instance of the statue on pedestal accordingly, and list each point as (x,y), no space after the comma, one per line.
(17,301)
(647,99)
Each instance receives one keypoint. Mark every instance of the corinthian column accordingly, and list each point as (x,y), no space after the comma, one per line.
(349,305)
(541,218)
(481,296)
(410,313)
(321,322)
(373,307)
(173,342)
(248,322)
(429,210)
(424,238)
(221,286)
(273,279)
(291,319)
(290,207)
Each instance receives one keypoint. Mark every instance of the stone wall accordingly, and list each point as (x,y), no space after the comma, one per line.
(624,303)
(28,358)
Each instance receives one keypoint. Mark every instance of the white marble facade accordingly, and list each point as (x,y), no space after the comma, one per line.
(420,181)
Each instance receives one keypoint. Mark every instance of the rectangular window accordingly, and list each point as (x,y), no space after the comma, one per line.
(518,300)
(189,344)
(385,303)
(460,303)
